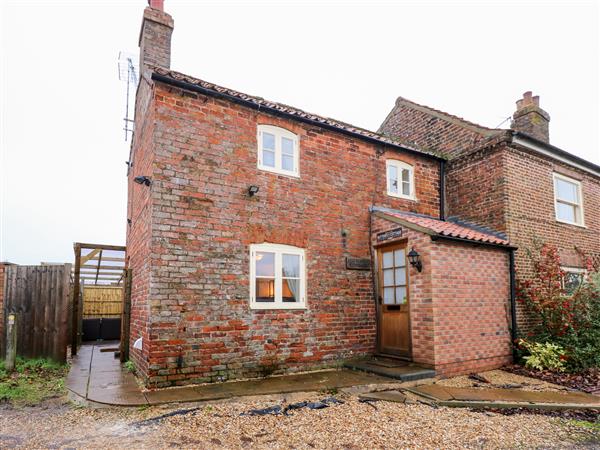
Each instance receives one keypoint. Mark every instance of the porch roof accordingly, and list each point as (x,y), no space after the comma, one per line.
(451,228)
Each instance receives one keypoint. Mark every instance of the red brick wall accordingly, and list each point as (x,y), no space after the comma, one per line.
(471,298)
(192,298)
(431,129)
(139,236)
(531,215)
(459,304)
(476,188)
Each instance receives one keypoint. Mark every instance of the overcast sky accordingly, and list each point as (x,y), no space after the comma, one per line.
(62,162)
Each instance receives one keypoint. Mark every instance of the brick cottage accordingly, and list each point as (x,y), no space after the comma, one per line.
(264,239)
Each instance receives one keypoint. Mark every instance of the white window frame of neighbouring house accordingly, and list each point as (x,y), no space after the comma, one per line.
(276,282)
(575,204)
(579,272)
(400,168)
(277,149)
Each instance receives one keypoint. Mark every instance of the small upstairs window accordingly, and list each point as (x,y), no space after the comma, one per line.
(400,179)
(568,203)
(277,150)
(572,279)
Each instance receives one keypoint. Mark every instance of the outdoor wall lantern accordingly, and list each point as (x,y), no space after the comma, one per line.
(142,179)
(252,190)
(415,259)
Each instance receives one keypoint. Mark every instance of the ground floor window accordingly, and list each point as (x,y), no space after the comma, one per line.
(572,278)
(277,277)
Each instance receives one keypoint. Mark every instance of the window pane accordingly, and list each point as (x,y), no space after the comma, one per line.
(406,175)
(401,295)
(401,276)
(265,290)
(290,265)
(287,146)
(566,191)
(388,259)
(392,179)
(388,296)
(287,162)
(572,280)
(399,259)
(388,277)
(265,264)
(565,212)
(268,141)
(405,188)
(268,158)
(290,290)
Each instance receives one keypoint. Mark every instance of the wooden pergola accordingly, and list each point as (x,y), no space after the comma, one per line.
(99,265)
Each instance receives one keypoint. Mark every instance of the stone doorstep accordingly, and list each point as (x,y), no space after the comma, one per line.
(391,368)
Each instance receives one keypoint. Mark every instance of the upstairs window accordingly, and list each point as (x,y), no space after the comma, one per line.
(277,277)
(277,150)
(567,200)
(400,179)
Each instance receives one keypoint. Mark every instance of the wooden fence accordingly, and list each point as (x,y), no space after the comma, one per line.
(39,295)
(102,301)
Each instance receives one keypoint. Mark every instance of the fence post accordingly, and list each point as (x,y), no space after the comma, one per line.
(11,342)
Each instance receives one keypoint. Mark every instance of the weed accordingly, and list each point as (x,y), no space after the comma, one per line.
(129,366)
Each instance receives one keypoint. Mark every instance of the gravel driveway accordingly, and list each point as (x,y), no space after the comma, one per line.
(351,425)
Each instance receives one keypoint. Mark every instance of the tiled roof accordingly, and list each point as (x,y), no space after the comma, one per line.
(449,228)
(288,110)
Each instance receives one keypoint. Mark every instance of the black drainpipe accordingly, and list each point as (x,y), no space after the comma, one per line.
(442,189)
(513,304)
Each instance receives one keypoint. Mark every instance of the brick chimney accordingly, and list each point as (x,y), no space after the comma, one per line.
(530,119)
(155,36)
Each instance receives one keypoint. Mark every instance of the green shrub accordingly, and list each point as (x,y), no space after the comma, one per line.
(544,356)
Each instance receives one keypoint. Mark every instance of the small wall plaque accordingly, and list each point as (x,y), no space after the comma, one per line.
(391,234)
(358,263)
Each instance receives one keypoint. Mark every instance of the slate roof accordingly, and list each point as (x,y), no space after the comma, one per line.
(289,110)
(450,228)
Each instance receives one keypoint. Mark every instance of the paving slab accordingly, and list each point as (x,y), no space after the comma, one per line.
(387,396)
(447,394)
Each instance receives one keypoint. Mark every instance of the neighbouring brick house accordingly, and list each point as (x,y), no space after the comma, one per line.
(513,181)
(265,239)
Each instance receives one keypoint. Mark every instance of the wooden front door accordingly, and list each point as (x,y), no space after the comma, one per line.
(394,320)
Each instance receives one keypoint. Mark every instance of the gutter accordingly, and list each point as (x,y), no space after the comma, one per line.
(442,237)
(554,152)
(442,190)
(195,88)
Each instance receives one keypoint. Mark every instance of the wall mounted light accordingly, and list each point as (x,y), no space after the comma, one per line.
(252,190)
(415,259)
(142,179)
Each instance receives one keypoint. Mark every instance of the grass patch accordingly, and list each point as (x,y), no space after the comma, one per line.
(33,381)
(592,426)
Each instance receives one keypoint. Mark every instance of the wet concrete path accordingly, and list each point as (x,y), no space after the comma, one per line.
(97,376)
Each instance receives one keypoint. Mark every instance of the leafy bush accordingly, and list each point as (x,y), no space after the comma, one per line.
(544,356)
(570,320)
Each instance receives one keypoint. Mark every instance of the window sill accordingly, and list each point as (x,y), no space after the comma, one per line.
(564,222)
(403,197)
(279,172)
(276,306)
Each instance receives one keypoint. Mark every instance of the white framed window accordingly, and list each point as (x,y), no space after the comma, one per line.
(573,278)
(278,150)
(568,203)
(277,277)
(400,179)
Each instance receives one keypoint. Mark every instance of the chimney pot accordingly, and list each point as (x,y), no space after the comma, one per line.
(157,4)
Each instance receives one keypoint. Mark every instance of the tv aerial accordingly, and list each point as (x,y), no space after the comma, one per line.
(128,73)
